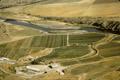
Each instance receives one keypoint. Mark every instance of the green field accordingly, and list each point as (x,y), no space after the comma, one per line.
(16,49)
(110,50)
(68,52)
(49,41)
(22,47)
(78,47)
(96,70)
(85,38)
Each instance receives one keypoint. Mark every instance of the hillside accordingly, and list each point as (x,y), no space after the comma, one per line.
(70,8)
(111,24)
(105,1)
(12,3)
(9,32)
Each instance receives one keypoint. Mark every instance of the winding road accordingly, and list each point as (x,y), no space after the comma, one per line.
(94,51)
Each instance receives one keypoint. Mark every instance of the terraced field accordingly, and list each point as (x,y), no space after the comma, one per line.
(76,49)
(25,46)
(49,41)
(98,65)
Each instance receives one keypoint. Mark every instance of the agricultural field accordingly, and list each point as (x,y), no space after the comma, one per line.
(68,52)
(100,69)
(25,46)
(85,38)
(80,53)
(59,40)
(109,50)
(49,41)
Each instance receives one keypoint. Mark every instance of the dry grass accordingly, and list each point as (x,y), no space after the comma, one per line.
(105,10)
(73,9)
(57,9)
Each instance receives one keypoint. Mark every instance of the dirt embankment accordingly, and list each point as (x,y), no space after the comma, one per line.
(31,57)
(108,24)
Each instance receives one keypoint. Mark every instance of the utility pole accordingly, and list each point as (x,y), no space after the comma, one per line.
(68,39)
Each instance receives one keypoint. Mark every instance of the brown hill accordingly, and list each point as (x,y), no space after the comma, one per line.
(105,1)
(66,8)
